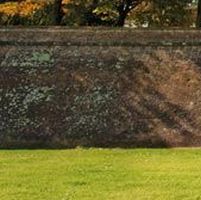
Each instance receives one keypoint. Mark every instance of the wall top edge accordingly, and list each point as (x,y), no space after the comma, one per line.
(64,36)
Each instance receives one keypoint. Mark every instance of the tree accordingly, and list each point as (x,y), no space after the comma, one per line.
(58,12)
(4,1)
(115,12)
(82,12)
(124,7)
(163,13)
(102,12)
(198,20)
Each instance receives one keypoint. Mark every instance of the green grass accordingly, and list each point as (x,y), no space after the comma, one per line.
(97,174)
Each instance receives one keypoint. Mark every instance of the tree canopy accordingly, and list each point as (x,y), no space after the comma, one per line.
(152,13)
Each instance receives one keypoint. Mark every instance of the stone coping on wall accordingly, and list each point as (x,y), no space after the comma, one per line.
(65,36)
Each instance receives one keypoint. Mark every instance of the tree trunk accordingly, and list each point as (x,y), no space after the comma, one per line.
(198,21)
(58,13)
(122,18)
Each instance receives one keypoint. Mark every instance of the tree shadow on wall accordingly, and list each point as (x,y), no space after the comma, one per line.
(147,116)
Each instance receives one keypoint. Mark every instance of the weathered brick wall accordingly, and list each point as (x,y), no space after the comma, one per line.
(99,87)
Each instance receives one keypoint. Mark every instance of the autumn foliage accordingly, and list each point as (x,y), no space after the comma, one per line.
(29,12)
(24,8)
(154,13)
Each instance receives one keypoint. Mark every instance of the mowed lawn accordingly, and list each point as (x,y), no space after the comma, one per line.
(100,174)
